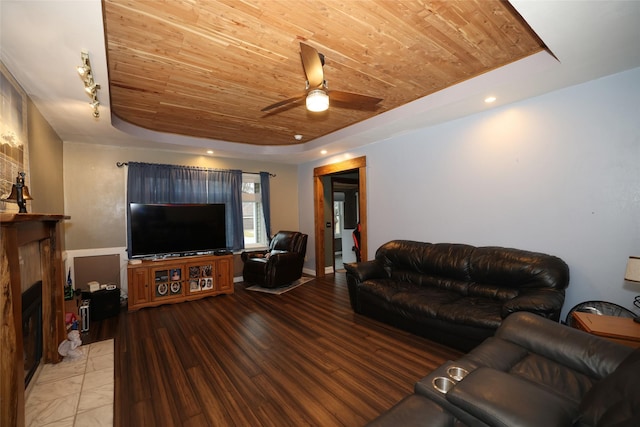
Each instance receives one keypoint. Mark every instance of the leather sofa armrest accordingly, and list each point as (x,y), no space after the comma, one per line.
(366,270)
(543,302)
(589,354)
(245,255)
(276,258)
(501,399)
(416,410)
(283,268)
(357,273)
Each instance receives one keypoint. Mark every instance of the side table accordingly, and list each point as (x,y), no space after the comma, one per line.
(622,330)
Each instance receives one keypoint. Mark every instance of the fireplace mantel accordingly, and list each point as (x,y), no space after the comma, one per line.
(18,230)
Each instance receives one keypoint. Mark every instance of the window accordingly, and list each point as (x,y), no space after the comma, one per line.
(252,216)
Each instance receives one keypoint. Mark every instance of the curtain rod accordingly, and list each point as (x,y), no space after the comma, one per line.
(122,164)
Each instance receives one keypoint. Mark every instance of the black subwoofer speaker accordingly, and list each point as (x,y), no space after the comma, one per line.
(104,303)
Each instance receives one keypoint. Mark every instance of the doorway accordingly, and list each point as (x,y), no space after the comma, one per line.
(344,196)
(323,206)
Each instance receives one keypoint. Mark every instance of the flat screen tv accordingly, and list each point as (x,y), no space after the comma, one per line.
(173,229)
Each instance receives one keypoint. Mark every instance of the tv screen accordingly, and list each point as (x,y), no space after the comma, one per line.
(167,229)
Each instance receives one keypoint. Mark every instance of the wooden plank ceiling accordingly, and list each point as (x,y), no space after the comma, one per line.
(207,68)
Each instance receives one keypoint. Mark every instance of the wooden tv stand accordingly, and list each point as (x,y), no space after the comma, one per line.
(173,280)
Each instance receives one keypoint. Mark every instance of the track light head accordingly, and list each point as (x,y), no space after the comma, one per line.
(82,70)
(92,88)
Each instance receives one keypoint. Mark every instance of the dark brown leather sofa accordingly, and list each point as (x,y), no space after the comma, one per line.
(454,293)
(533,372)
(280,265)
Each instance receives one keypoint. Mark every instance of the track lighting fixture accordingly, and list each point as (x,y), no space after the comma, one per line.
(90,86)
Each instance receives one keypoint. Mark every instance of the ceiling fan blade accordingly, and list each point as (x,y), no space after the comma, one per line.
(312,65)
(284,102)
(353,98)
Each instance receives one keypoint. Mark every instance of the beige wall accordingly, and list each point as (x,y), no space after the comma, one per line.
(45,165)
(95,198)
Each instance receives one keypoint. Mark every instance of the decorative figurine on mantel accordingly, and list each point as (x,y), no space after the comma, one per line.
(19,193)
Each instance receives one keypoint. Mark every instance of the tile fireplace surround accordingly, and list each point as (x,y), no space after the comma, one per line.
(74,393)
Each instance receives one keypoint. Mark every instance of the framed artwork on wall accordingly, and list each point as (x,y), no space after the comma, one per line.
(14,150)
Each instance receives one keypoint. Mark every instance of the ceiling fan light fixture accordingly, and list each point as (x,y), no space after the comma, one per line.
(317,100)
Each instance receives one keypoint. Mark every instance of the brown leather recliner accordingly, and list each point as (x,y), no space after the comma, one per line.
(280,265)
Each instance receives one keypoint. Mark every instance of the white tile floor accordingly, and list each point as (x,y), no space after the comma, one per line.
(75,393)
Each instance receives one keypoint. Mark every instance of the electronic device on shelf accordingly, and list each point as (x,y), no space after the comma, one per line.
(176,229)
(93,286)
(84,316)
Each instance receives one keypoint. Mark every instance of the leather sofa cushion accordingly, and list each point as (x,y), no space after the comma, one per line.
(415,410)
(439,259)
(505,267)
(554,377)
(500,399)
(474,311)
(461,287)
(575,349)
(491,266)
(430,281)
(415,300)
(614,401)
(516,360)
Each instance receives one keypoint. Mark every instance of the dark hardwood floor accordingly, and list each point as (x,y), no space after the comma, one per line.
(254,359)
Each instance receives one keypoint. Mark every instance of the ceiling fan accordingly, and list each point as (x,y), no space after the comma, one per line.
(318,94)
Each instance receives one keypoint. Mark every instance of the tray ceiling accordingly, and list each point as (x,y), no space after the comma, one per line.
(206,69)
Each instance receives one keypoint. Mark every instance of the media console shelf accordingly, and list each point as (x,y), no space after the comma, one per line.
(152,282)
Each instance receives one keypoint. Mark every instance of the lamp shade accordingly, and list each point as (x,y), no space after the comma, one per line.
(317,100)
(633,269)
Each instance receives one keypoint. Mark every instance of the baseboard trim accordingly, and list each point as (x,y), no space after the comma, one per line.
(309,271)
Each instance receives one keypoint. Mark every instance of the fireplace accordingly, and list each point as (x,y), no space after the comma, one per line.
(32,330)
(19,232)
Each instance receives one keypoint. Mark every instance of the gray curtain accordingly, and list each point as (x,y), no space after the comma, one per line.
(226,187)
(266,203)
(148,183)
(156,183)
(188,185)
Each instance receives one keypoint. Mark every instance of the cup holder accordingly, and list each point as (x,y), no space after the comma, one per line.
(443,384)
(457,373)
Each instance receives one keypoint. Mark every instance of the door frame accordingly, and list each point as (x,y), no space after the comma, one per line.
(359,164)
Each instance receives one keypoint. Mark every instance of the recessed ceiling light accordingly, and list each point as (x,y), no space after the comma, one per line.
(297,137)
(323,152)
(490,99)
(209,151)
